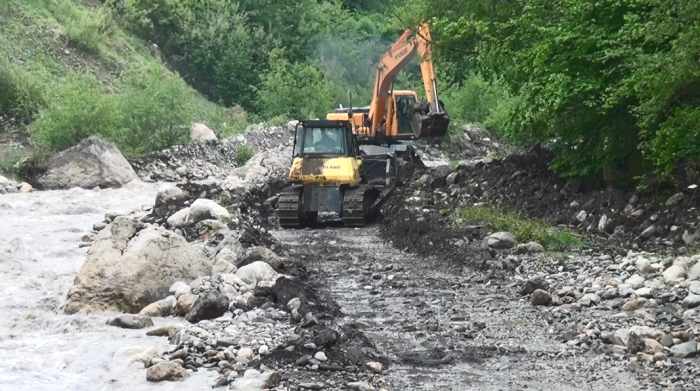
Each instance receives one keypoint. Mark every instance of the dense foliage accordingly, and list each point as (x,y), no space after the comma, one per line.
(610,86)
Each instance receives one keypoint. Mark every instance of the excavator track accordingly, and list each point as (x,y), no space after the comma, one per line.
(289,208)
(356,204)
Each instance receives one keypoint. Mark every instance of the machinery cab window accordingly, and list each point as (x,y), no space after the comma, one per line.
(324,140)
(404,105)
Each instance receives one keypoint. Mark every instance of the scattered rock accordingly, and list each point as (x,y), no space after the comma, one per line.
(685,350)
(540,297)
(533,284)
(320,356)
(589,299)
(375,367)
(256,272)
(203,209)
(209,306)
(201,132)
(530,248)
(165,371)
(501,240)
(130,321)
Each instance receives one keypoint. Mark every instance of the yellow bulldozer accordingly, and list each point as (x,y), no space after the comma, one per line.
(347,163)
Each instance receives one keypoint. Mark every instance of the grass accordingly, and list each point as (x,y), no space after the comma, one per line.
(524,229)
(8,159)
(68,70)
(243,154)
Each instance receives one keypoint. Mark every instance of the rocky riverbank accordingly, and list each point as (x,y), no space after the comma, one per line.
(608,299)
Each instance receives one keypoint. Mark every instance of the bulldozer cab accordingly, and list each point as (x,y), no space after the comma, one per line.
(325,139)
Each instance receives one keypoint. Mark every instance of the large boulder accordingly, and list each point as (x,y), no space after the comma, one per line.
(262,168)
(201,132)
(128,268)
(94,162)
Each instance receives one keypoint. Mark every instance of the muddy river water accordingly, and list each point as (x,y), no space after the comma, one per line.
(40,347)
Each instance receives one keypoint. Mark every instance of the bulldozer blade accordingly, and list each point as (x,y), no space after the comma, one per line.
(430,125)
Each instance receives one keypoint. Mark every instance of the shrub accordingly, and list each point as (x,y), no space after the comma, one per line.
(243,153)
(77,108)
(86,29)
(21,92)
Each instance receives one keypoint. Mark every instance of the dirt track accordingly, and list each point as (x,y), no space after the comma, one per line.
(443,328)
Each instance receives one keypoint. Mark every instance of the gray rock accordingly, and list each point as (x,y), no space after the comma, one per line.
(691,301)
(160,308)
(170,194)
(622,335)
(540,297)
(165,371)
(222,266)
(179,288)
(530,248)
(635,282)
(645,292)
(674,199)
(695,272)
(648,233)
(533,284)
(375,367)
(635,343)
(179,219)
(685,350)
(92,162)
(130,321)
(253,380)
(262,254)
(589,299)
(209,306)
(501,240)
(127,268)
(694,287)
(201,132)
(644,266)
(360,386)
(667,340)
(634,304)
(184,304)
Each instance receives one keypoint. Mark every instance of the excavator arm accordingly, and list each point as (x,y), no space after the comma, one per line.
(426,121)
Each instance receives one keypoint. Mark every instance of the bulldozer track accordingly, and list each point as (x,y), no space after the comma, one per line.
(356,207)
(289,208)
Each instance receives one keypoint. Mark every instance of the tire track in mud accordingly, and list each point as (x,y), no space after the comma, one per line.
(443,328)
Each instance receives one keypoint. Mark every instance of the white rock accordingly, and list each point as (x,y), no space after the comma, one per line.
(582,216)
(201,132)
(674,273)
(4,181)
(644,266)
(170,194)
(204,209)
(320,356)
(375,367)
(603,223)
(26,188)
(501,240)
(644,292)
(253,380)
(179,288)
(635,282)
(246,353)
(223,267)
(179,218)
(262,350)
(294,304)
(255,272)
(695,272)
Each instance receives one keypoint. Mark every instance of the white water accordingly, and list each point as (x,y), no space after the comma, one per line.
(40,347)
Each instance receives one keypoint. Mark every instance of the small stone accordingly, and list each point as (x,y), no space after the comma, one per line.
(648,233)
(131,321)
(589,299)
(533,284)
(691,301)
(635,282)
(645,292)
(375,367)
(294,304)
(667,340)
(674,199)
(530,248)
(160,331)
(501,240)
(165,371)
(246,353)
(262,350)
(26,188)
(540,297)
(634,304)
(360,386)
(653,346)
(320,356)
(635,343)
(659,357)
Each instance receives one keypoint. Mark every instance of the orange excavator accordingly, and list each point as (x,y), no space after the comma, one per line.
(347,164)
(397,115)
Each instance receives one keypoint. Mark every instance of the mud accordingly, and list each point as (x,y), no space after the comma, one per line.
(440,326)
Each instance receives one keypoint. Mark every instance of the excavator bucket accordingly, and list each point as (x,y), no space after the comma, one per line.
(425,123)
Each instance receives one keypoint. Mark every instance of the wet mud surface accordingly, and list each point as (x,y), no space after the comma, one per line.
(441,325)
